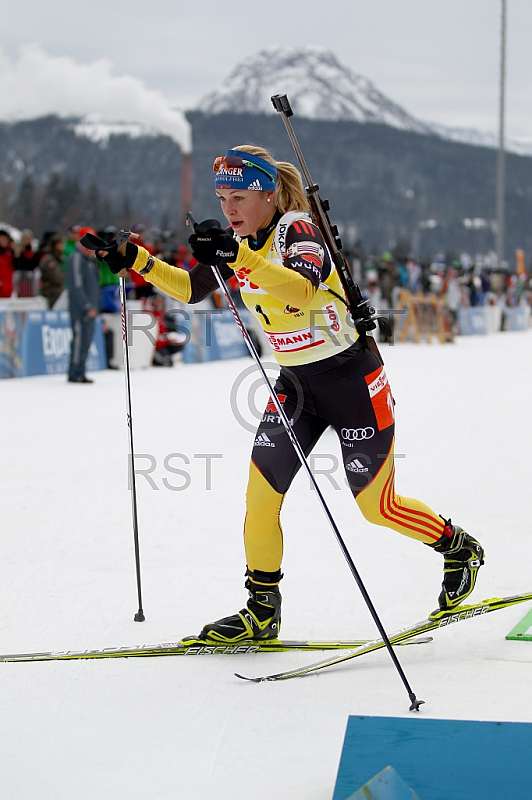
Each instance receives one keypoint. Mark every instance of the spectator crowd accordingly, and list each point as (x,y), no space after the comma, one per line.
(29,268)
(457,283)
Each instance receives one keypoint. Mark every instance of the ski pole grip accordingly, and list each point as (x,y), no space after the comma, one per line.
(281,104)
(122,237)
(190,220)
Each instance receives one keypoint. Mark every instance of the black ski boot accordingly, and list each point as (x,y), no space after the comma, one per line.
(261,619)
(462,556)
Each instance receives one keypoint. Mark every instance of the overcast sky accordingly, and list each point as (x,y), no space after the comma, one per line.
(439,59)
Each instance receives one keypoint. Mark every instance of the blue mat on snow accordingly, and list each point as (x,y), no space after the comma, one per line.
(438,759)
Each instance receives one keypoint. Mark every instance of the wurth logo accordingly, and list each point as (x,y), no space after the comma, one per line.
(271,408)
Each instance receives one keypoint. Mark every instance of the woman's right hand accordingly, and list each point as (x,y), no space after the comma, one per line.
(119,259)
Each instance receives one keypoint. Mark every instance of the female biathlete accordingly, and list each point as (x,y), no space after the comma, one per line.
(328,376)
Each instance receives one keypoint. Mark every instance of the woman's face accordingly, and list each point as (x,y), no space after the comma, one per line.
(247,211)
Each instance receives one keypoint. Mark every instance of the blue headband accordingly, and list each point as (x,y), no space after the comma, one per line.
(254,173)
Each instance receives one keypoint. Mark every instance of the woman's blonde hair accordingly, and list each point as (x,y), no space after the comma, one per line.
(289,192)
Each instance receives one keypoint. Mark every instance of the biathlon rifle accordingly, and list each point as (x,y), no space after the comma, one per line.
(364,317)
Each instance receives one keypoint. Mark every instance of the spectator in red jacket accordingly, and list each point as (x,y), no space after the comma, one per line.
(27,258)
(7,265)
(170,341)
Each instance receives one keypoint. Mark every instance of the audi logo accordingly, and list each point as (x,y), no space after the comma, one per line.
(357,434)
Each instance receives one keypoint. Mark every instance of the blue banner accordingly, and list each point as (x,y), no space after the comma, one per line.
(213,335)
(38,343)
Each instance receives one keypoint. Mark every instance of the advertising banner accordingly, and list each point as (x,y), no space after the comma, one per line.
(38,343)
(213,335)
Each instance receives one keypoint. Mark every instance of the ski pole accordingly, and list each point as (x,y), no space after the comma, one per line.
(92,242)
(139,616)
(414,702)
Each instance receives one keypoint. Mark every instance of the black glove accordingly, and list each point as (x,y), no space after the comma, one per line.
(115,260)
(210,244)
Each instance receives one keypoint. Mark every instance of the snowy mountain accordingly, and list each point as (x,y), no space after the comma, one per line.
(321,88)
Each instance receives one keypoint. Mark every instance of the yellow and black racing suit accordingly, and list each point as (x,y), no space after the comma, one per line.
(328,378)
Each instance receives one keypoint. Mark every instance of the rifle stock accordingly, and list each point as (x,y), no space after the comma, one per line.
(364,317)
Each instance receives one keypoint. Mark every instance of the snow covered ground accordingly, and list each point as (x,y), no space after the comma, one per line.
(186,727)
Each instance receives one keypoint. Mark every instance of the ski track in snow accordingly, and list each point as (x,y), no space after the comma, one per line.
(178,727)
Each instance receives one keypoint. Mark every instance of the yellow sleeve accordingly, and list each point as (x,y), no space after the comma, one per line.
(281,282)
(173,281)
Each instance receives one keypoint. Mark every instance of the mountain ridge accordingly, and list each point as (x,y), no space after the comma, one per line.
(320,87)
(388,187)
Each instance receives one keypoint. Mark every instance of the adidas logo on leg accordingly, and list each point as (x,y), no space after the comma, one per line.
(263,441)
(355,466)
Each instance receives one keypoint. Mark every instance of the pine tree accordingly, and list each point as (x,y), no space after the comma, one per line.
(23,209)
(51,201)
(92,207)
